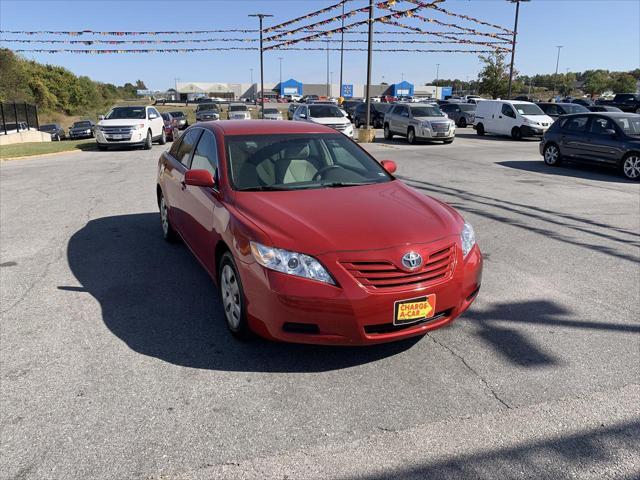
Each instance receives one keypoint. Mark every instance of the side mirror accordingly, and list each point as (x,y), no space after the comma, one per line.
(101,117)
(199,178)
(611,132)
(152,116)
(302,115)
(389,165)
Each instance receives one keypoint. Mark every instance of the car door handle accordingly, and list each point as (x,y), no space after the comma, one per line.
(499,116)
(183,185)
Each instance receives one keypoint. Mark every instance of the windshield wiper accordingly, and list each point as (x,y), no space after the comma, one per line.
(345,184)
(262,188)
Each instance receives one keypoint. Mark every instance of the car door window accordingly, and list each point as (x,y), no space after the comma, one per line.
(575,124)
(508,111)
(600,125)
(189,140)
(205,156)
(552,110)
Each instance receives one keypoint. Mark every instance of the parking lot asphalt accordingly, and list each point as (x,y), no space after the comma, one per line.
(116,363)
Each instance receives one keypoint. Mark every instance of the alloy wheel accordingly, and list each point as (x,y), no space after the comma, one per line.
(631,167)
(231,297)
(551,155)
(164,216)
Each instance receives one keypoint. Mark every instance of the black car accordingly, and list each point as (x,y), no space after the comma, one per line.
(180,118)
(82,129)
(462,113)
(378,110)
(611,139)
(585,102)
(554,110)
(55,130)
(291,110)
(603,108)
(349,106)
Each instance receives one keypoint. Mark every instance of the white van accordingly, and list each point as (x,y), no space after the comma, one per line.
(507,117)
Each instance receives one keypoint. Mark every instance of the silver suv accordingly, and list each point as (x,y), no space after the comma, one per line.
(418,121)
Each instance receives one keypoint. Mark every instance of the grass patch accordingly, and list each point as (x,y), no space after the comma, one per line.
(41,148)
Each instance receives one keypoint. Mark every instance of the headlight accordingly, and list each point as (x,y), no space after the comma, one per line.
(100,127)
(426,124)
(468,238)
(291,263)
(88,130)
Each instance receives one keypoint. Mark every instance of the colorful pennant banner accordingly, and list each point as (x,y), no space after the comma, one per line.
(188,50)
(465,17)
(305,17)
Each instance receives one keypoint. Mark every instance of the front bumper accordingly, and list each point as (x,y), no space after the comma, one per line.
(532,131)
(349,314)
(82,134)
(137,137)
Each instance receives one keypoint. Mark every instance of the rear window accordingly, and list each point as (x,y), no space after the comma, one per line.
(575,108)
(630,125)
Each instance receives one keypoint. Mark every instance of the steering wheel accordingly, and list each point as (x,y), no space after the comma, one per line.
(320,173)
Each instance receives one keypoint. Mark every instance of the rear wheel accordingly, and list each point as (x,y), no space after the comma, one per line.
(631,166)
(480,129)
(163,137)
(387,133)
(462,123)
(232,296)
(551,155)
(411,136)
(168,233)
(516,133)
(102,148)
(148,142)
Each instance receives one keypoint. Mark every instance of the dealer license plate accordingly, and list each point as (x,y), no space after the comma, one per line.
(440,134)
(117,137)
(414,309)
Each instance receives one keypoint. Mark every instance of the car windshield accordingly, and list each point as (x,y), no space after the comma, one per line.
(166,116)
(575,108)
(82,124)
(177,114)
(207,106)
(426,111)
(630,125)
(127,113)
(50,126)
(237,108)
(470,107)
(527,109)
(296,162)
(382,107)
(325,111)
(270,111)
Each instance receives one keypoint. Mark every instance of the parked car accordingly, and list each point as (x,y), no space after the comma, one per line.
(324,114)
(466,98)
(611,139)
(55,130)
(418,121)
(294,258)
(82,129)
(308,98)
(171,130)
(508,117)
(603,108)
(131,126)
(181,119)
(462,113)
(554,110)
(239,111)
(378,111)
(349,106)
(294,97)
(207,112)
(585,102)
(627,102)
(291,110)
(271,113)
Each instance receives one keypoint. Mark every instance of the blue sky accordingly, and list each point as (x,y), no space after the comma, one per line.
(594,33)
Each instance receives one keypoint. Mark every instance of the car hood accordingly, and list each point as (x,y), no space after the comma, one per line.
(367,217)
(88,127)
(329,120)
(432,119)
(121,122)
(539,118)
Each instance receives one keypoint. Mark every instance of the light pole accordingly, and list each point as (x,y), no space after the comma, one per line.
(280,82)
(402,76)
(437,73)
(327,68)
(341,48)
(513,43)
(555,77)
(261,16)
(369,55)
(330,84)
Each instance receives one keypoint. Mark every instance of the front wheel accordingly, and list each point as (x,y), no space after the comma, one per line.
(631,166)
(448,141)
(411,136)
(232,296)
(551,155)
(148,141)
(387,133)
(102,148)
(516,133)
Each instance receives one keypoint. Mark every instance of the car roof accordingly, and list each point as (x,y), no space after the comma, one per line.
(603,114)
(261,127)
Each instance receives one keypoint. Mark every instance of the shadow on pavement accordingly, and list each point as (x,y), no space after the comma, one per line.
(471,133)
(158,300)
(576,170)
(595,450)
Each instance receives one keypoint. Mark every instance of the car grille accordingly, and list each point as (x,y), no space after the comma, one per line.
(440,127)
(117,130)
(378,275)
(337,126)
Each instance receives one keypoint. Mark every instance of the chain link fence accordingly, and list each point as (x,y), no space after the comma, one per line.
(17,117)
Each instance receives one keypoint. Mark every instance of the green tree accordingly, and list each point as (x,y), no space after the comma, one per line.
(494,76)
(596,81)
(623,83)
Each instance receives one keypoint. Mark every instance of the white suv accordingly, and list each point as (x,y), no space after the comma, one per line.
(130,126)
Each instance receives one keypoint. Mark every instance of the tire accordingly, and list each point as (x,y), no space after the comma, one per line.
(102,148)
(148,143)
(516,133)
(551,155)
(411,136)
(638,110)
(163,138)
(462,123)
(630,166)
(232,297)
(168,233)
(480,129)
(387,133)
(448,141)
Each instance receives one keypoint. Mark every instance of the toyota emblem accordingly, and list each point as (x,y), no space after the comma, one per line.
(411,260)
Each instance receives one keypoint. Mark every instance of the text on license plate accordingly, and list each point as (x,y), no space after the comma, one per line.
(414,309)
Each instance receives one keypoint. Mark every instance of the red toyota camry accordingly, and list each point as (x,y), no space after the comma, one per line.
(309,239)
